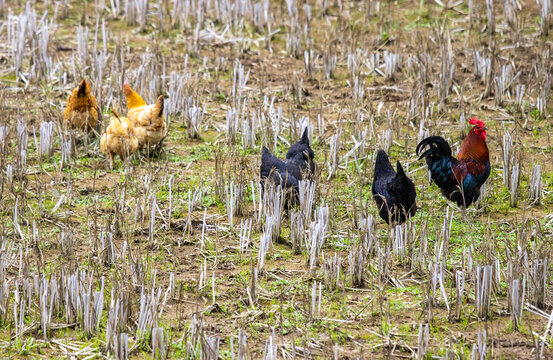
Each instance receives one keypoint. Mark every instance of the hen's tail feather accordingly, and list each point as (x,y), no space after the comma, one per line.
(265,153)
(158,108)
(115,113)
(382,164)
(82,88)
(400,170)
(305,137)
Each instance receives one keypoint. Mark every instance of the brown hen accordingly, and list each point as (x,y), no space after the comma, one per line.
(81,111)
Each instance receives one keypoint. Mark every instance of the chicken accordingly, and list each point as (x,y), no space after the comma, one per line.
(299,159)
(275,169)
(299,165)
(393,193)
(119,139)
(81,111)
(148,120)
(461,178)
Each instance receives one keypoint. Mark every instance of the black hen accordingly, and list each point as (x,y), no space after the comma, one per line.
(275,169)
(299,159)
(393,193)
(298,165)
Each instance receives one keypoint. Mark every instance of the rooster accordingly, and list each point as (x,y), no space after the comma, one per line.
(81,111)
(459,178)
(394,193)
(148,120)
(119,138)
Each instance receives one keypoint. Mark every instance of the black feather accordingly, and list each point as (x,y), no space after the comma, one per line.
(438,147)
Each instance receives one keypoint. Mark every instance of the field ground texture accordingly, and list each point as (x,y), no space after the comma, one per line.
(171,254)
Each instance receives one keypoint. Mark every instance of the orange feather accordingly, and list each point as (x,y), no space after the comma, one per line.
(133,99)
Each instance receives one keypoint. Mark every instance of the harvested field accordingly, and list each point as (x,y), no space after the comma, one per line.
(174,252)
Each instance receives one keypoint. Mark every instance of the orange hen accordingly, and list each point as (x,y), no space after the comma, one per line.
(148,120)
(119,138)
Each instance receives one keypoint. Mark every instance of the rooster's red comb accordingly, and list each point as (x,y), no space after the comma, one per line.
(476,121)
